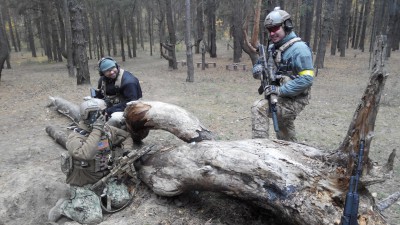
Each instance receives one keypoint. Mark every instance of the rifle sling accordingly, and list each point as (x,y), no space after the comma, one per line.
(285,46)
(105,210)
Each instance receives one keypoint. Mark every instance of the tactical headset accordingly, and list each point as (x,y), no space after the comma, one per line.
(104,58)
(288,25)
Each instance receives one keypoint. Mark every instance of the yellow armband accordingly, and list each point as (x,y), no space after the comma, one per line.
(307,72)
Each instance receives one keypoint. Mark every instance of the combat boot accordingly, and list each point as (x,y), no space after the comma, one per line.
(55,213)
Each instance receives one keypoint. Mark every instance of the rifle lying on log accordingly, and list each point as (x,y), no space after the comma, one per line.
(350,211)
(124,165)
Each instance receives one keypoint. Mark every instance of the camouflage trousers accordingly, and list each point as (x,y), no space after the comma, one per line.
(287,111)
(84,205)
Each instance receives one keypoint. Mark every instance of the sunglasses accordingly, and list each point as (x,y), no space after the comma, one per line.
(273,29)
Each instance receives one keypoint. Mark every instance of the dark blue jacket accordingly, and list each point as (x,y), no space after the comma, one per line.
(129,90)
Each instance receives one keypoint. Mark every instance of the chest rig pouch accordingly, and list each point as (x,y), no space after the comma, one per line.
(102,161)
(113,99)
(104,157)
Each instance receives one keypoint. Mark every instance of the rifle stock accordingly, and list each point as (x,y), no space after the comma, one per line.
(350,211)
(268,78)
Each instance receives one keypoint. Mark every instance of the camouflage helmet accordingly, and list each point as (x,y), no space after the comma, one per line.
(91,105)
(276,18)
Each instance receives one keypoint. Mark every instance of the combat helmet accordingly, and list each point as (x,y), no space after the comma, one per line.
(278,17)
(91,108)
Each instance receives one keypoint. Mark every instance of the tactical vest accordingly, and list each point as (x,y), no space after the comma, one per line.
(114,99)
(102,161)
(278,52)
(284,68)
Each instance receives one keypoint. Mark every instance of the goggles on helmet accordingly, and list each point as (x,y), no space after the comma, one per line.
(93,115)
(273,29)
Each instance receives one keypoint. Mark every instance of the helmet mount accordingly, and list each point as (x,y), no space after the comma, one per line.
(91,109)
(279,17)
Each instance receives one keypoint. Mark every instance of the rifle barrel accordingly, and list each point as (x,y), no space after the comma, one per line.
(268,78)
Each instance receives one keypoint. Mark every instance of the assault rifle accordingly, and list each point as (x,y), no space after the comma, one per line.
(350,211)
(125,164)
(268,78)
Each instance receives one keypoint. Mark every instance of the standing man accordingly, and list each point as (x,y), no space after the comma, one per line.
(117,87)
(293,63)
(92,149)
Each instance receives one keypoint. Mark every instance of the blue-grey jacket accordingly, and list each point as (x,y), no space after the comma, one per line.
(300,61)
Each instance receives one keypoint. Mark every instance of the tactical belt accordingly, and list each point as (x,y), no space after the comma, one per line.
(88,166)
(82,164)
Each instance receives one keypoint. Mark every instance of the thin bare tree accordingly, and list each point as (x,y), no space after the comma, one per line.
(68,40)
(170,45)
(189,54)
(4,52)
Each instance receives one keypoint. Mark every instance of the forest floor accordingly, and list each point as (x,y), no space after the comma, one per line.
(30,176)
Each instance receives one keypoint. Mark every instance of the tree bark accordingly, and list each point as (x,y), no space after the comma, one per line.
(65,107)
(212,31)
(326,30)
(59,136)
(250,47)
(344,25)
(237,19)
(121,34)
(4,50)
(367,8)
(30,37)
(78,42)
(335,26)
(145,115)
(170,46)
(68,40)
(199,34)
(45,32)
(188,43)
(317,26)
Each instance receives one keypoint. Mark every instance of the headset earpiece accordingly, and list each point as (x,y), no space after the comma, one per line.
(288,25)
(104,58)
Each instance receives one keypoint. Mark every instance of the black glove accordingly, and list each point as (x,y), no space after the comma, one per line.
(271,89)
(99,123)
(260,90)
(257,71)
(105,114)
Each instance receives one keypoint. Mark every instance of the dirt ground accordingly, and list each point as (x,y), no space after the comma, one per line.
(31,180)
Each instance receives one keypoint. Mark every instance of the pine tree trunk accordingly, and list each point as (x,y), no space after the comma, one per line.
(76,10)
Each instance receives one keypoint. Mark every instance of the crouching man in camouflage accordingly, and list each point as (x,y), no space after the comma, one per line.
(293,63)
(92,146)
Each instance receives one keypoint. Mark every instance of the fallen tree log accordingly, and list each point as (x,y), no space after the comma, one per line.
(298,183)
(142,116)
(65,107)
(59,135)
(288,179)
